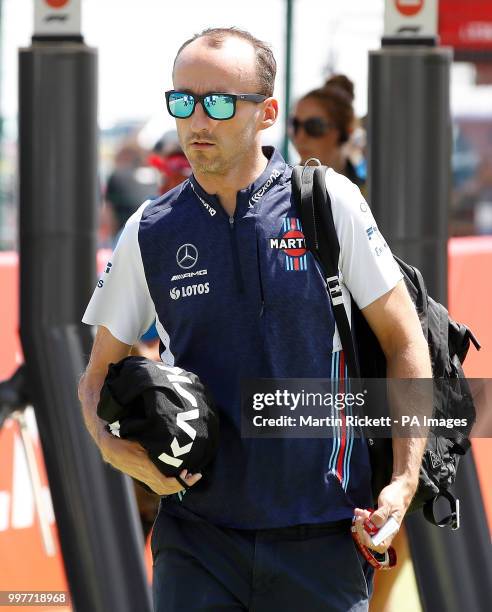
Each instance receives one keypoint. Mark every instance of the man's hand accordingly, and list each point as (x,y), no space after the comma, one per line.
(132,459)
(395,322)
(394,501)
(126,456)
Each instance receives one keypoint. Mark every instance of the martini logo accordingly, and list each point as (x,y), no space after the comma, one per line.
(293,244)
(409,8)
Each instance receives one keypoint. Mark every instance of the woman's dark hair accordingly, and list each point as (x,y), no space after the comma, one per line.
(337,96)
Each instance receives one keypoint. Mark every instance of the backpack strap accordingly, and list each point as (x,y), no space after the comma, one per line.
(461,444)
(309,187)
(302,187)
(475,342)
(453,519)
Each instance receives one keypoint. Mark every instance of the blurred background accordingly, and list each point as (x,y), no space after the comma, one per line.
(137,45)
(139,157)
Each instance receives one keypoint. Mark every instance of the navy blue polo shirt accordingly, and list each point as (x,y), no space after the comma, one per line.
(240,298)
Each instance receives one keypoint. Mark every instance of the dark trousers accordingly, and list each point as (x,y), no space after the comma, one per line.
(201,567)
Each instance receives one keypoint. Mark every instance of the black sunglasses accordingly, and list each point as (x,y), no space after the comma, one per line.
(218,106)
(314,126)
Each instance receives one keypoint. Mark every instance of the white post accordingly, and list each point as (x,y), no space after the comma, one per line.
(57,19)
(410,19)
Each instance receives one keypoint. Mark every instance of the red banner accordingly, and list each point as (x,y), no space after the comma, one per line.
(466,24)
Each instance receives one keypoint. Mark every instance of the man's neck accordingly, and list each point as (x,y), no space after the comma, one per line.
(226,186)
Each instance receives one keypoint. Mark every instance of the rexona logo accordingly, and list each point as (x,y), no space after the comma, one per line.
(175,376)
(262,190)
(177,293)
(293,244)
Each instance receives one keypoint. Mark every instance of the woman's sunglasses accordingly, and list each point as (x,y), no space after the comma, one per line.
(314,126)
(219,106)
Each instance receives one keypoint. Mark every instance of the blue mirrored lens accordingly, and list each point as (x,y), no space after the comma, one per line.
(181,105)
(219,107)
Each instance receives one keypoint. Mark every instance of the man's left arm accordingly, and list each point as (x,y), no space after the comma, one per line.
(394,320)
(376,284)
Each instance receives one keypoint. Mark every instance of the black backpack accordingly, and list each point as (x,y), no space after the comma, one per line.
(448,341)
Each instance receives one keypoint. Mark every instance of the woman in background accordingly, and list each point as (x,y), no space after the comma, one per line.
(322,124)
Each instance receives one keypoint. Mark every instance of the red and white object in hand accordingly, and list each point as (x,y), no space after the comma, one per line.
(386,560)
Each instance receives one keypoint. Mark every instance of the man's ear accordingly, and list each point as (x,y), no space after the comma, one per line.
(269,113)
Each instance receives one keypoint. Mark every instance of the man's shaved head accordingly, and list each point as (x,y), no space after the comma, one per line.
(266,66)
(228,61)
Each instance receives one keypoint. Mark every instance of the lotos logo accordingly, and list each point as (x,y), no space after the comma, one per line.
(293,244)
(255,198)
(189,290)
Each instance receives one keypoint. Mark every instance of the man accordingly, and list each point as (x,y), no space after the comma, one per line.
(268,527)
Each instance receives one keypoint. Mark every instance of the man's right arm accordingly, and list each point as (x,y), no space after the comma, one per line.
(124,455)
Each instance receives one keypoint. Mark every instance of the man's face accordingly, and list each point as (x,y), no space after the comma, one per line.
(211,146)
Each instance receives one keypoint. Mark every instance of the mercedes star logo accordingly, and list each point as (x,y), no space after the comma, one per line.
(187,256)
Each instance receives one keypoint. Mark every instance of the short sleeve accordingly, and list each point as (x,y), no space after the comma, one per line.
(121,300)
(368,269)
